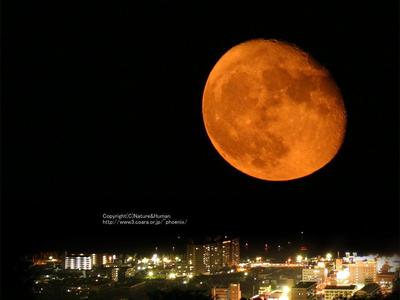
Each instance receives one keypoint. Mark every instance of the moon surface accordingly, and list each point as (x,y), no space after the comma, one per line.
(272,111)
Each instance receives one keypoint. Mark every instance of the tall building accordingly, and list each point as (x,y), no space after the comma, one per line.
(114,274)
(315,274)
(196,258)
(210,257)
(233,292)
(304,290)
(338,264)
(362,272)
(78,262)
(94,258)
(100,259)
(230,252)
(336,291)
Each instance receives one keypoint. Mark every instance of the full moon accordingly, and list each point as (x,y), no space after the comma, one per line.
(272,111)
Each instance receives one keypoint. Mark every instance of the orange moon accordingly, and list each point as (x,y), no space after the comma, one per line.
(272,111)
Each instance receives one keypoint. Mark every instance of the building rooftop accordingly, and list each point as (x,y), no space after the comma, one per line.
(213,241)
(340,287)
(305,284)
(386,274)
(370,288)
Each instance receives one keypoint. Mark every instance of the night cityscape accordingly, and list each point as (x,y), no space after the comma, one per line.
(168,149)
(216,268)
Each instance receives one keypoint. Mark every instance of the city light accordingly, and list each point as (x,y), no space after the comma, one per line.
(343,275)
(155,259)
(285,293)
(145,260)
(350,271)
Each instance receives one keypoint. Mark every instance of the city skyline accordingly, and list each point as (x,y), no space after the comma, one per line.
(257,245)
(272,249)
(303,277)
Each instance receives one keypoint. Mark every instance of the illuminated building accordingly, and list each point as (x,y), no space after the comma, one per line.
(339,291)
(130,272)
(234,291)
(94,259)
(114,274)
(43,258)
(231,293)
(182,267)
(100,259)
(78,262)
(119,273)
(338,264)
(230,252)
(350,258)
(213,257)
(208,258)
(362,272)
(316,274)
(196,257)
(342,277)
(385,280)
(304,290)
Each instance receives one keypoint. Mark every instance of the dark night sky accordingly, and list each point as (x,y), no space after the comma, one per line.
(102,113)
